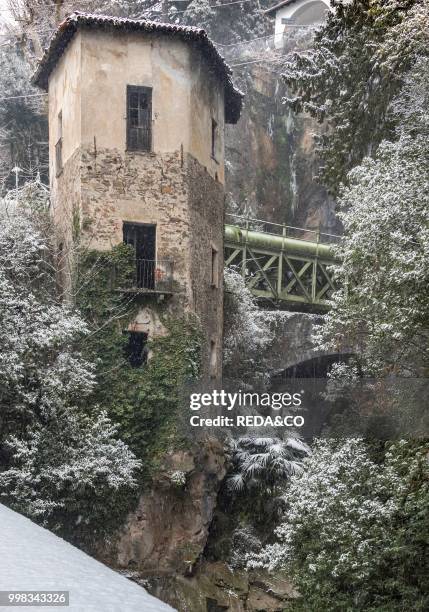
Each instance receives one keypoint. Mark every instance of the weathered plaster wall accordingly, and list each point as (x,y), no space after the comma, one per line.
(65,96)
(206,208)
(186,94)
(66,211)
(112,61)
(207,103)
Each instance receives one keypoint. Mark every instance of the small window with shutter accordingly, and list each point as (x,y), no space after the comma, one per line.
(213,358)
(215,268)
(214,139)
(59,146)
(139,118)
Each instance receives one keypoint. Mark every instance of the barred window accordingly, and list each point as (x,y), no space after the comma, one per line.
(139,118)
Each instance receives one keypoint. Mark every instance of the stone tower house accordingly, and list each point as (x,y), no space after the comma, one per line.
(137,111)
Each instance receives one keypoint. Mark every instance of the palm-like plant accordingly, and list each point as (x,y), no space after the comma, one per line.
(263,465)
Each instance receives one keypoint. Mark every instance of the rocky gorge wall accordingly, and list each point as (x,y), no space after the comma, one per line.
(215,587)
(270,160)
(166,533)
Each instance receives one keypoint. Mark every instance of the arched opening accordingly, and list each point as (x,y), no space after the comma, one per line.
(310,13)
(309,377)
(315,367)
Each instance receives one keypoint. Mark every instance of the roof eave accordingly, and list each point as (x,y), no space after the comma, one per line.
(72,24)
(63,35)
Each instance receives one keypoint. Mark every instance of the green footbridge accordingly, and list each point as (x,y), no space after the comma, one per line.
(281,263)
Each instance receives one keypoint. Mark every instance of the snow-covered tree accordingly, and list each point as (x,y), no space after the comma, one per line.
(353,530)
(67,469)
(247,332)
(250,501)
(231,23)
(23,122)
(264,463)
(60,458)
(382,306)
(349,78)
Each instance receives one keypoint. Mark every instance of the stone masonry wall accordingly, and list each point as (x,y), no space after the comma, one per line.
(172,190)
(206,206)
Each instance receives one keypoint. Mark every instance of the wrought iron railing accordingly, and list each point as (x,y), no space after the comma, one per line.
(148,276)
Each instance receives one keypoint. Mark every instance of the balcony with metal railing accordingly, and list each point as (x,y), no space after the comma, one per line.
(147,277)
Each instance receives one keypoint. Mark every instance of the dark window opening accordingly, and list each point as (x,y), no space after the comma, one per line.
(214,138)
(139,118)
(215,268)
(59,146)
(136,351)
(213,606)
(142,237)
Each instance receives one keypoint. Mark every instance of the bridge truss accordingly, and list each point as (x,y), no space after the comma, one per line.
(280,262)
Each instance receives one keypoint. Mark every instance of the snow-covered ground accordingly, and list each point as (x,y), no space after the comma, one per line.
(32,558)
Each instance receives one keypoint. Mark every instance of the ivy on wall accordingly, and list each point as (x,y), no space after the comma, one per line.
(144,401)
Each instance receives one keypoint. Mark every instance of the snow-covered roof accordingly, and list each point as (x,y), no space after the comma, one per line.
(33,558)
(196,36)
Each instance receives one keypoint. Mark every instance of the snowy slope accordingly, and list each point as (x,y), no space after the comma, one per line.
(32,558)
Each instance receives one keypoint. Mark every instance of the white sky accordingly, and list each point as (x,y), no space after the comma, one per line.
(4,13)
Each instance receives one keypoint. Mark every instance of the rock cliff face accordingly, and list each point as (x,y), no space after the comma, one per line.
(168,530)
(271,164)
(214,587)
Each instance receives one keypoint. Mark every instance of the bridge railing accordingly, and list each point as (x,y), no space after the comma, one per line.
(279,229)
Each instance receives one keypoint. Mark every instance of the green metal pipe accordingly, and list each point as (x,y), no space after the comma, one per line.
(240,236)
